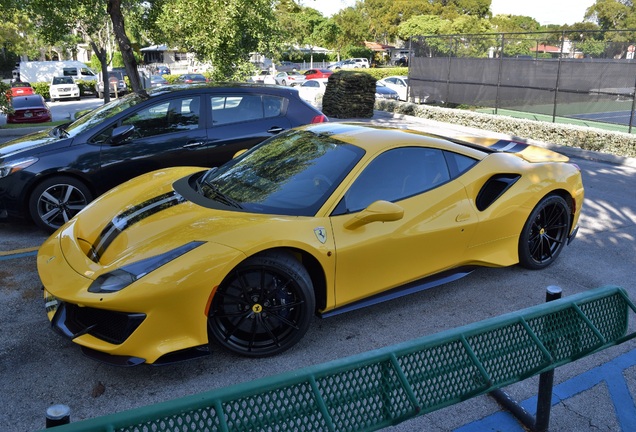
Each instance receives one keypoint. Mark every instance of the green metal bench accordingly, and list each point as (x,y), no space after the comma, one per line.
(384,387)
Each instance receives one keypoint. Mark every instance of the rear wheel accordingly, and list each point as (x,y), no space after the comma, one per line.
(56,200)
(263,307)
(545,233)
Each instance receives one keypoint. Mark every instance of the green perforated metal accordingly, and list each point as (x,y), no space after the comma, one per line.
(384,387)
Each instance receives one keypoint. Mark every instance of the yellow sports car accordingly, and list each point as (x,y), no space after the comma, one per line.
(321,219)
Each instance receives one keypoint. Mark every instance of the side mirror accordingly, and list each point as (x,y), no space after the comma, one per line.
(379,211)
(121,134)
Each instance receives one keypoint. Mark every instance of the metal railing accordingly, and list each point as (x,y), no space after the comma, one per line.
(381,388)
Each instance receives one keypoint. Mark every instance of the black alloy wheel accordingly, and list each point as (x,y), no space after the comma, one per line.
(263,307)
(56,200)
(545,233)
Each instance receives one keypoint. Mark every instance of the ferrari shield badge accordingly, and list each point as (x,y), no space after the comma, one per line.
(321,234)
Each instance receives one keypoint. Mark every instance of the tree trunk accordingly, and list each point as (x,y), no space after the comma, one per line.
(114,10)
(101,55)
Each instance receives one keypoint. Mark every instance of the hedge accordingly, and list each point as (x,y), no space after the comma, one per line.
(586,138)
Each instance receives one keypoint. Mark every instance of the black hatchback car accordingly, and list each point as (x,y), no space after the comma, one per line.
(49,176)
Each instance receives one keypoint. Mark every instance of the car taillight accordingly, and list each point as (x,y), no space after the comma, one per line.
(320,119)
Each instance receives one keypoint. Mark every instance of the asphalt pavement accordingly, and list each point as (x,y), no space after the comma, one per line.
(592,394)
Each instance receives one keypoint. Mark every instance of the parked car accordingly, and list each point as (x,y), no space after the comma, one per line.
(312,90)
(398,83)
(51,175)
(27,109)
(243,256)
(317,73)
(116,84)
(361,62)
(383,92)
(289,78)
(191,78)
(63,88)
(285,66)
(163,70)
(344,64)
(260,78)
(157,81)
(20,88)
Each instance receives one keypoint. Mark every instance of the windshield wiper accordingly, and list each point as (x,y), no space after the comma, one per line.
(210,190)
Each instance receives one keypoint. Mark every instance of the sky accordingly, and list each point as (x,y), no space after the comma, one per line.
(544,11)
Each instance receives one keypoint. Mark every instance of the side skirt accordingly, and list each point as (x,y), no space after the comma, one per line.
(410,288)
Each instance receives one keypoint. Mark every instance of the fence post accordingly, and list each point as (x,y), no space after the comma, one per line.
(631,114)
(558,77)
(501,55)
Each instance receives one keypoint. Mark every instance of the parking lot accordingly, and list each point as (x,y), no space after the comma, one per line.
(40,368)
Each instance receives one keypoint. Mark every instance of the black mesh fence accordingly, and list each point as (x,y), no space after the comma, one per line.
(542,73)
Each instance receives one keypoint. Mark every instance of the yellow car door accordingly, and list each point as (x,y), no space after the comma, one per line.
(402,219)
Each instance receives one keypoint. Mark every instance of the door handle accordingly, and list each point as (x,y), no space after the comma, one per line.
(275,130)
(194,144)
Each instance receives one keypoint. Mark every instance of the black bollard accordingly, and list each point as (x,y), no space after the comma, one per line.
(57,415)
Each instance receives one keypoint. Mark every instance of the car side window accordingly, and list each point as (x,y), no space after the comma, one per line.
(169,116)
(458,163)
(166,117)
(239,108)
(395,175)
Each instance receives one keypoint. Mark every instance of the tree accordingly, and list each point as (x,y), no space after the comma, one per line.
(222,32)
(130,63)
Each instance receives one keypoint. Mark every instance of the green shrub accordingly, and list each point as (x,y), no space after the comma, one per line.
(41,88)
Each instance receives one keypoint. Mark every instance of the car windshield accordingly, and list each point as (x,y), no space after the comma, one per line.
(104,113)
(291,174)
(63,80)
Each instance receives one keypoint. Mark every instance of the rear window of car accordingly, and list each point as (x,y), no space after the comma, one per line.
(23,102)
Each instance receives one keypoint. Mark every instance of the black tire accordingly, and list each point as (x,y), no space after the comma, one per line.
(545,233)
(284,82)
(56,200)
(263,307)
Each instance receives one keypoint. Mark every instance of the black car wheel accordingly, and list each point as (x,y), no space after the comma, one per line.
(545,233)
(56,200)
(263,307)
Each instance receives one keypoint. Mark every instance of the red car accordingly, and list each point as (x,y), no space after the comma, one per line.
(317,73)
(29,109)
(19,88)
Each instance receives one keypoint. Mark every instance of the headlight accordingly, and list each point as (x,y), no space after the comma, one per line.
(15,166)
(119,279)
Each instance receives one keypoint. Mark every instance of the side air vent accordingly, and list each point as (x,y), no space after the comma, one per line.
(494,188)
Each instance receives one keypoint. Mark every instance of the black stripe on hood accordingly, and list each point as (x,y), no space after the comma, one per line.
(131,216)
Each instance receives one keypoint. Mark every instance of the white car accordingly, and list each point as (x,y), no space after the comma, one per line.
(312,90)
(361,62)
(63,87)
(398,83)
(291,78)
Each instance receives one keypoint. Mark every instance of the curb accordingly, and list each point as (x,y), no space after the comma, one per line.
(18,132)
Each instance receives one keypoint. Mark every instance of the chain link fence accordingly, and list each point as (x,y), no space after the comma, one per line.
(584,75)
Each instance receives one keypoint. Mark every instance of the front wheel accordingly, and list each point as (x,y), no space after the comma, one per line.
(263,307)
(545,233)
(56,200)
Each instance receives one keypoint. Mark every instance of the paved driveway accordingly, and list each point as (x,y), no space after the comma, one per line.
(40,368)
